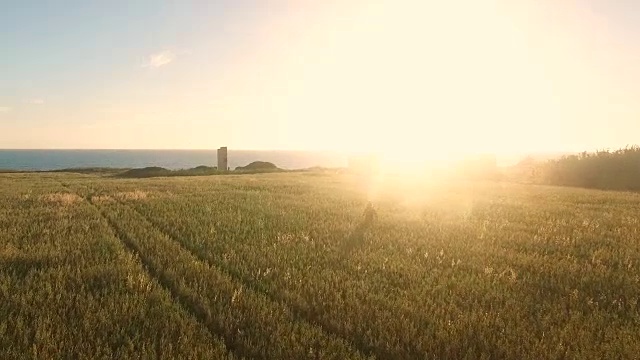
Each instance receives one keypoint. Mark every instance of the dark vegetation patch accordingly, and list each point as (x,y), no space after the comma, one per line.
(154,171)
(256,167)
(147,172)
(606,170)
(78,170)
(92,170)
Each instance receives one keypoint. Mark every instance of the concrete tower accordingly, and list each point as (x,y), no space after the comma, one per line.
(222,159)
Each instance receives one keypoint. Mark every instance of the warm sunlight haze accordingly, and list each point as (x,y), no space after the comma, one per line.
(417,80)
(320,179)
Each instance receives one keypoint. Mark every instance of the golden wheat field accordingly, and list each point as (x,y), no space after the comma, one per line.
(298,266)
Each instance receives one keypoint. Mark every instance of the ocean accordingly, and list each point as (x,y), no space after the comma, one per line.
(170,159)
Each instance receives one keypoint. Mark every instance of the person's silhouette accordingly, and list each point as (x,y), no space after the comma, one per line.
(370,214)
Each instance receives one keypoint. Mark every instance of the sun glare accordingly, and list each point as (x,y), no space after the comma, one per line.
(419,83)
(415,81)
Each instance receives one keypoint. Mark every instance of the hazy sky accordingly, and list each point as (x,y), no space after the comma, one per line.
(422,76)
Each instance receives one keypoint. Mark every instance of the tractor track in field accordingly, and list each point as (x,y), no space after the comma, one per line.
(296,311)
(190,306)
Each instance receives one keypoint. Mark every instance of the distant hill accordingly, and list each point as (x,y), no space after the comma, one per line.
(258,166)
(155,171)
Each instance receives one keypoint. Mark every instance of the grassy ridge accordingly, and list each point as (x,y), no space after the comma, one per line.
(257,167)
(286,266)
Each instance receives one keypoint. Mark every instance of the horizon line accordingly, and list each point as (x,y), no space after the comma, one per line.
(496,153)
(166,149)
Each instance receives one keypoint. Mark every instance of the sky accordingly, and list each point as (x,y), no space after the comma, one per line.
(415,76)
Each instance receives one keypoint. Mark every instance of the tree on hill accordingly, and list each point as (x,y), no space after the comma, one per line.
(604,169)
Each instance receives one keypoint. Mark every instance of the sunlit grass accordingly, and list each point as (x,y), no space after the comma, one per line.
(295,266)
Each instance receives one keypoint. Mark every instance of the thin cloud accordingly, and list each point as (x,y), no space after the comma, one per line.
(4,109)
(160,59)
(35,101)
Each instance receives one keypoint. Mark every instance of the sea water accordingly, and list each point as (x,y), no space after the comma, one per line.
(170,159)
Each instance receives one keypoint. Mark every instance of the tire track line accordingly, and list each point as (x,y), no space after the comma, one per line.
(296,311)
(189,305)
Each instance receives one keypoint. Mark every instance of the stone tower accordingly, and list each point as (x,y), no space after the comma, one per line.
(222,159)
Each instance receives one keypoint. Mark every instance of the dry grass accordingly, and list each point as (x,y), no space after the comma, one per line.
(102,199)
(132,195)
(61,199)
(8,251)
